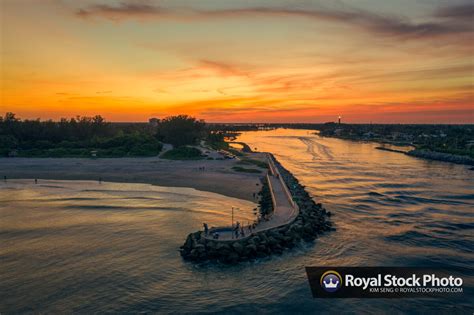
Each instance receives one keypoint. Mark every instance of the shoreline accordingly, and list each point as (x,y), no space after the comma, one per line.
(215,176)
(418,153)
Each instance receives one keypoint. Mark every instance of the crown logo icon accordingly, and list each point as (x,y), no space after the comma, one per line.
(331,281)
(330,284)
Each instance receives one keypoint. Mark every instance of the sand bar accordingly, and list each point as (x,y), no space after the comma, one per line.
(217,176)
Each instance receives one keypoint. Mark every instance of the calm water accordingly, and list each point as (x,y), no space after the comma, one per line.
(85,247)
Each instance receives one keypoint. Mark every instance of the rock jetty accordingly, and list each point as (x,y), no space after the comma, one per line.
(436,156)
(445,157)
(311,221)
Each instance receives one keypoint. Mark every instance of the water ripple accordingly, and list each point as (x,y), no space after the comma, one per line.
(73,247)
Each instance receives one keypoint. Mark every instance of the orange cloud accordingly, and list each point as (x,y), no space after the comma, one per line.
(238,62)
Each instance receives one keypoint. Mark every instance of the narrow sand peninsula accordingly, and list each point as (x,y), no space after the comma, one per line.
(217,175)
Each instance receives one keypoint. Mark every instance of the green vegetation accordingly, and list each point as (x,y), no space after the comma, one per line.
(135,144)
(94,137)
(75,137)
(183,153)
(215,139)
(246,170)
(180,130)
(247,161)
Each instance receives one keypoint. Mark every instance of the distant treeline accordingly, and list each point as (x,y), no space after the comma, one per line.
(93,136)
(74,137)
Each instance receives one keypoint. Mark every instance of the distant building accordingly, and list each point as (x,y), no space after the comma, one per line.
(154,122)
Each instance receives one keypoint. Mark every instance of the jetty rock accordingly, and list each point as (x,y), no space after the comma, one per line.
(310,220)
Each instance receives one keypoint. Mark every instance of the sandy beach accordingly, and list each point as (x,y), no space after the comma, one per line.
(217,175)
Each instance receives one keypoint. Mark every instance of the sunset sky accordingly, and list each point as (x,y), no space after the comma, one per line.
(239,61)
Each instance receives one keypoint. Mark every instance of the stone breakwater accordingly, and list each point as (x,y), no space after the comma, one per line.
(444,157)
(311,221)
(436,156)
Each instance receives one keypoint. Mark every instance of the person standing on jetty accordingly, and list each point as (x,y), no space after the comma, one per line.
(206,229)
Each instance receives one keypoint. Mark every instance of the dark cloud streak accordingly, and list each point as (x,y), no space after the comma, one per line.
(465,11)
(380,24)
(122,11)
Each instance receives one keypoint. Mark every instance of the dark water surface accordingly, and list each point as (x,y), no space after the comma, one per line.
(85,247)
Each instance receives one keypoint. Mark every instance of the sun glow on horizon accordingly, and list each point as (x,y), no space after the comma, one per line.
(238,62)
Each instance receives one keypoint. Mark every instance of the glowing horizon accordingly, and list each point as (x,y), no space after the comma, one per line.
(235,61)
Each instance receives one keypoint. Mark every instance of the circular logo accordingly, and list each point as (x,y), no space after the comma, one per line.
(331,281)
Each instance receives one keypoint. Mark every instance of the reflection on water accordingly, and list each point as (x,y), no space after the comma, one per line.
(78,245)
(87,247)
